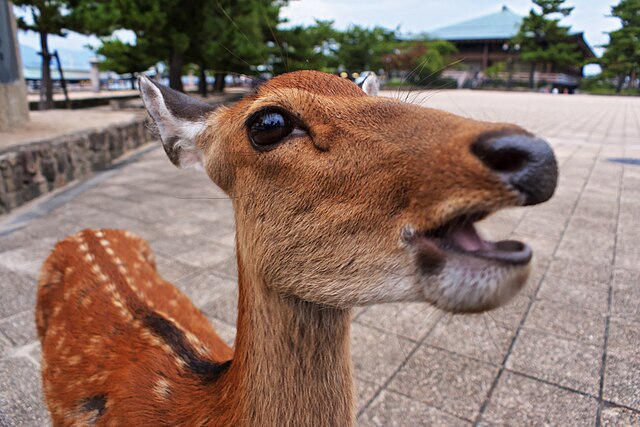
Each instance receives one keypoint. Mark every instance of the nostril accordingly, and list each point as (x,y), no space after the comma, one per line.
(505,160)
(524,162)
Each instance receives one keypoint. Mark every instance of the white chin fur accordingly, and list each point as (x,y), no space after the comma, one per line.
(468,284)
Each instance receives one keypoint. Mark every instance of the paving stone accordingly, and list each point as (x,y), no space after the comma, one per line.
(18,292)
(224,330)
(510,315)
(55,228)
(597,224)
(477,336)
(575,293)
(365,391)
(624,339)
(20,328)
(227,268)
(377,355)
(597,247)
(228,239)
(622,381)
(522,401)
(551,225)
(189,226)
(581,271)
(561,361)
(174,245)
(411,321)
(27,260)
(204,287)
(626,294)
(21,396)
(614,416)
(206,256)
(455,384)
(173,270)
(5,345)
(567,321)
(628,259)
(224,307)
(15,240)
(539,267)
(392,409)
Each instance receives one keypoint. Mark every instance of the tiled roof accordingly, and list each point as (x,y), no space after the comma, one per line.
(500,25)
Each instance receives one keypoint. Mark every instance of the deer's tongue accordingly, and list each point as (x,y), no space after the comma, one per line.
(466,237)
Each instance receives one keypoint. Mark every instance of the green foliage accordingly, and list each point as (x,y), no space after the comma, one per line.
(621,60)
(313,47)
(124,58)
(51,17)
(543,40)
(424,60)
(495,69)
(363,49)
(602,85)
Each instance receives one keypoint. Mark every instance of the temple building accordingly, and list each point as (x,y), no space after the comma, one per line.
(485,52)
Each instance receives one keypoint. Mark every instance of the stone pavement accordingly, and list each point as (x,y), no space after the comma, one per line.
(565,352)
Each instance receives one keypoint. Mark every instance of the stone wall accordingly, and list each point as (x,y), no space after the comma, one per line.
(31,170)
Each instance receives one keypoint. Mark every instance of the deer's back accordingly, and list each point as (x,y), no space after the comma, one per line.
(118,342)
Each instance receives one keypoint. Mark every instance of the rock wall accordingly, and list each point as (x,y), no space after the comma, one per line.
(31,170)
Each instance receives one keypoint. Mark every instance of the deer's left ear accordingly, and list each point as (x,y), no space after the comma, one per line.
(371,85)
(180,120)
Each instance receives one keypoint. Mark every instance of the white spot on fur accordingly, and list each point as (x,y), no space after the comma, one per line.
(162,388)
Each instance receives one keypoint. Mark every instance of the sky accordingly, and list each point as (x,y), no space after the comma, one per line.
(412,16)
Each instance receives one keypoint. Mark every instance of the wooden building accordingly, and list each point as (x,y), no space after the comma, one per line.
(486,41)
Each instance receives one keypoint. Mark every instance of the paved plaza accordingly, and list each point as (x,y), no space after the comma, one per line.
(564,352)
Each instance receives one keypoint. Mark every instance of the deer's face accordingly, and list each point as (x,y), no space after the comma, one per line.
(345,199)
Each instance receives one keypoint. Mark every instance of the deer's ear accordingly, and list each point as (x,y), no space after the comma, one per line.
(371,84)
(180,120)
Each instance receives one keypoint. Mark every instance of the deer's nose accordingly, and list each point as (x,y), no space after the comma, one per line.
(525,162)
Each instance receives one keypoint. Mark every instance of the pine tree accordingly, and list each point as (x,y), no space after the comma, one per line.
(47,17)
(621,60)
(544,40)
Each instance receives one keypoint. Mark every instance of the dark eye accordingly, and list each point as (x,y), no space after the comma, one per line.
(268,127)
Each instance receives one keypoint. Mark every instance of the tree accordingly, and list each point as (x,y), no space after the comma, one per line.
(306,47)
(424,60)
(223,35)
(544,40)
(621,59)
(233,37)
(48,17)
(124,58)
(363,49)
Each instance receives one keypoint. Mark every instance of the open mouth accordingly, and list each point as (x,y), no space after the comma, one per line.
(460,235)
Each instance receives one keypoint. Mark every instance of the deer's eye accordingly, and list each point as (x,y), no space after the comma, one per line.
(268,127)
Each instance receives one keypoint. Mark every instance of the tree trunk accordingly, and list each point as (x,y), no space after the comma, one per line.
(176,62)
(132,81)
(532,76)
(46,85)
(202,83)
(620,83)
(219,85)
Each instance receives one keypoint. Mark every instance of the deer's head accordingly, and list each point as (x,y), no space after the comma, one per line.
(345,199)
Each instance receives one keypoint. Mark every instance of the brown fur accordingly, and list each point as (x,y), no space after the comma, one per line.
(319,229)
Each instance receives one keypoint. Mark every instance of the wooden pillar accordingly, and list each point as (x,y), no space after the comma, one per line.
(485,56)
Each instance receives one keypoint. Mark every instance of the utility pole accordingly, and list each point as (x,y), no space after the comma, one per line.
(14,108)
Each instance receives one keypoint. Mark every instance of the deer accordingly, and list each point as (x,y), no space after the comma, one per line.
(340,199)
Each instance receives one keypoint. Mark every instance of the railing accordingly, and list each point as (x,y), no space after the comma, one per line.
(518,76)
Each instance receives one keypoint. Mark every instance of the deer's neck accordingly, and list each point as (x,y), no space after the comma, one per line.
(292,364)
